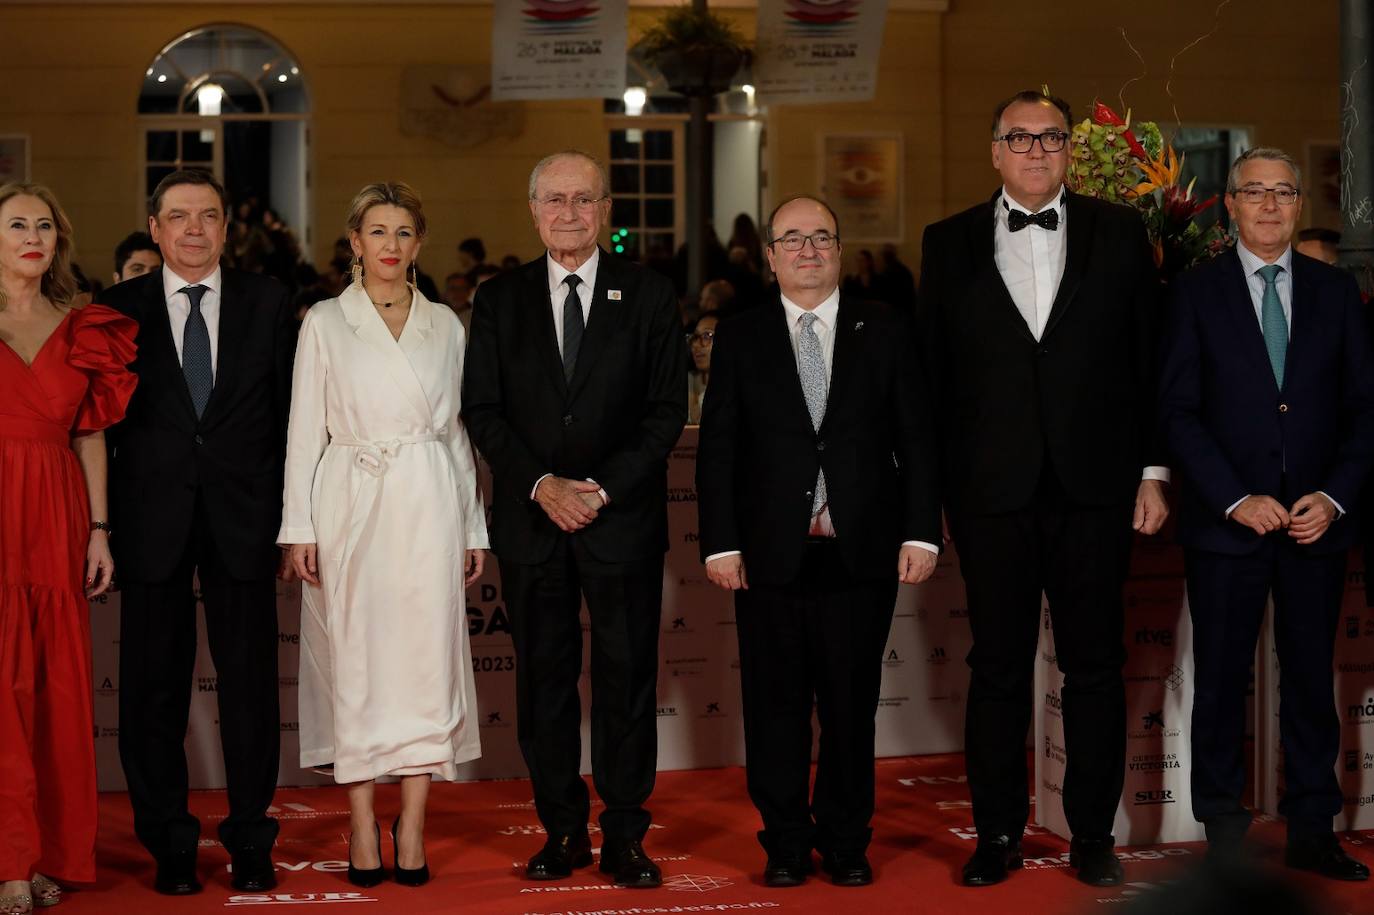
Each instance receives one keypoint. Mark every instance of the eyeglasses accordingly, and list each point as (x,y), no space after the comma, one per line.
(1284,196)
(1019,141)
(795,241)
(706,336)
(581,203)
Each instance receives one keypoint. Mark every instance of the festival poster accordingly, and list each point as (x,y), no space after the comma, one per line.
(818,50)
(558,49)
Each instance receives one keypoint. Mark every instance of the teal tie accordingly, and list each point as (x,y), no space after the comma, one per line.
(1272,322)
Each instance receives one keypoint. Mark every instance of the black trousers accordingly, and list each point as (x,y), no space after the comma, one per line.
(624,601)
(1078,556)
(157,655)
(817,642)
(1226,597)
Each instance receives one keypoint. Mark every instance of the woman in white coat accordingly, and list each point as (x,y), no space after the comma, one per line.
(386,527)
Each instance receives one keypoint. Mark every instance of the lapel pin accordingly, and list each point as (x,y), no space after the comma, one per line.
(859,326)
(613,295)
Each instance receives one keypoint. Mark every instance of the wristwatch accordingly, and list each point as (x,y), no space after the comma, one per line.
(100,526)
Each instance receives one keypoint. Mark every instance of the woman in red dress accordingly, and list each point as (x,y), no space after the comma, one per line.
(63,380)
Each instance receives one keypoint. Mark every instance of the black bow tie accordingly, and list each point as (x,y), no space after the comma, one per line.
(1045,219)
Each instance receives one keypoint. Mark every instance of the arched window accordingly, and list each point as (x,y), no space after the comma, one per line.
(231,100)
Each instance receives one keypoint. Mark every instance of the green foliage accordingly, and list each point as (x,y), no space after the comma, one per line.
(682,28)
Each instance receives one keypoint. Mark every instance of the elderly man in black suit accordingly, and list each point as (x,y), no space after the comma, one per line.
(574,393)
(816,483)
(195,486)
(1039,309)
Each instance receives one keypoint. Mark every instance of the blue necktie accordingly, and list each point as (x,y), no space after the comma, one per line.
(195,352)
(572,325)
(1272,322)
(811,368)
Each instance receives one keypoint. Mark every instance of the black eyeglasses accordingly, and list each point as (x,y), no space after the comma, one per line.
(705,336)
(1019,141)
(795,241)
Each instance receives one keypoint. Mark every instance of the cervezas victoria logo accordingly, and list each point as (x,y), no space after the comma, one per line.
(559,15)
(821,18)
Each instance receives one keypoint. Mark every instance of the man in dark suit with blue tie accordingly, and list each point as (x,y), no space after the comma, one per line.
(195,486)
(1267,406)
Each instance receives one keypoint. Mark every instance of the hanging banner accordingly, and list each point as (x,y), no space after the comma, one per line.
(550,49)
(818,50)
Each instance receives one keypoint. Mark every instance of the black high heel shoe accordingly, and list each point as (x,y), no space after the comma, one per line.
(370,876)
(406,876)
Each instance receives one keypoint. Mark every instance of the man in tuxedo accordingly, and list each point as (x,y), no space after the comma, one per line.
(1267,404)
(1038,312)
(195,485)
(575,391)
(816,492)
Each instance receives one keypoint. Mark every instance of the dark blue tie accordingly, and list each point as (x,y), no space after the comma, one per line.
(573,325)
(195,352)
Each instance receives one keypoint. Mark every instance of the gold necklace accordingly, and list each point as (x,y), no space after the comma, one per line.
(387,304)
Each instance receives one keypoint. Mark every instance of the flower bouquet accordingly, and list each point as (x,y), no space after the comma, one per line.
(1111,160)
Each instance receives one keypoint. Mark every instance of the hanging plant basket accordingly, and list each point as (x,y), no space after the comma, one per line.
(698,53)
(695,72)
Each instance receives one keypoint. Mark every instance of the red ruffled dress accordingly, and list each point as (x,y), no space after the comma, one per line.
(78,383)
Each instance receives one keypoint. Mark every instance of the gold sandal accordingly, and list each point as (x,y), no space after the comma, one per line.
(45,892)
(17,904)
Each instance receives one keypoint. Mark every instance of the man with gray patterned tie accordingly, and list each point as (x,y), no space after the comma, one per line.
(817,495)
(573,391)
(195,491)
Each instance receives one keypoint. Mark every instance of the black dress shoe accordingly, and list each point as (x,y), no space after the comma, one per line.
(253,871)
(629,866)
(366,877)
(406,876)
(1096,861)
(1324,855)
(787,869)
(176,874)
(559,856)
(991,860)
(847,868)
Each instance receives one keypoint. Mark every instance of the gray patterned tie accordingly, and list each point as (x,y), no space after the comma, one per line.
(1272,322)
(572,325)
(195,352)
(811,368)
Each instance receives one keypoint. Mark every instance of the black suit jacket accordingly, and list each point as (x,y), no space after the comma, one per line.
(615,422)
(1081,398)
(232,458)
(1232,432)
(758,455)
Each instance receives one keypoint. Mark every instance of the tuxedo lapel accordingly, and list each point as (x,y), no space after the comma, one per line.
(537,308)
(602,320)
(988,285)
(234,316)
(157,351)
(1080,223)
(1240,309)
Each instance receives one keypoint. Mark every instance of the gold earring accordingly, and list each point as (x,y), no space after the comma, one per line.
(356,269)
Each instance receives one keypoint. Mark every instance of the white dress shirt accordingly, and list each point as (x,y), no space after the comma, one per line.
(827,314)
(179,309)
(1251,263)
(1031,262)
(558,297)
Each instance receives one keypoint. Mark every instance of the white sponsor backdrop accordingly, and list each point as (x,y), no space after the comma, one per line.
(921,708)
(1354,682)
(805,54)
(1156,801)
(542,52)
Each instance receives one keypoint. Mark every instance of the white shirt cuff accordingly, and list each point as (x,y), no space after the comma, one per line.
(1340,512)
(923,545)
(535,488)
(1156,473)
(1227,514)
(714,556)
(605,499)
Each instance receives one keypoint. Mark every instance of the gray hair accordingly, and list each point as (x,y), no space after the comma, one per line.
(571,154)
(1267,153)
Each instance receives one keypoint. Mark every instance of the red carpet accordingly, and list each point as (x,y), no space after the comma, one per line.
(480,834)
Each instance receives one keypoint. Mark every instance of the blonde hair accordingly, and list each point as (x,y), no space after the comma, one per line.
(390,193)
(59,283)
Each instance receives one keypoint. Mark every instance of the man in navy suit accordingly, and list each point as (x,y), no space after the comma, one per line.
(1267,404)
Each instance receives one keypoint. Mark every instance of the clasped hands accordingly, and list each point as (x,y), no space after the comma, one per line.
(1306,521)
(570,504)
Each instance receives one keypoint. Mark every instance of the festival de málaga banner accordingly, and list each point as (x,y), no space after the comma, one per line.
(552,49)
(818,50)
